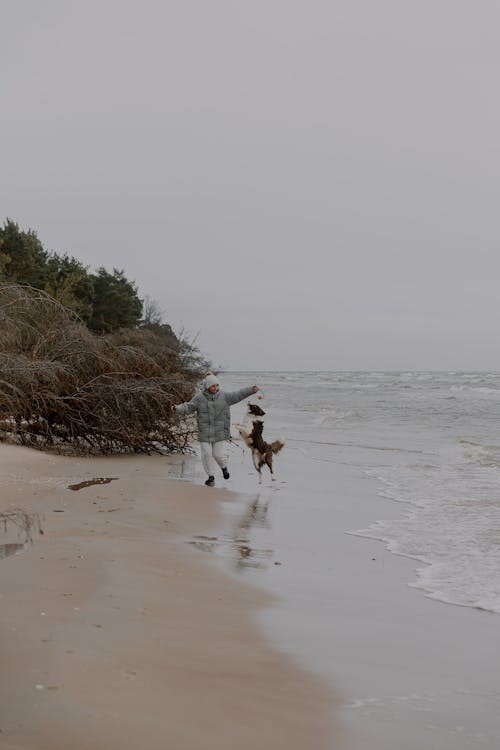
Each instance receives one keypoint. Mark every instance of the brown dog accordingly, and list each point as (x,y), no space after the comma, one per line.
(251,432)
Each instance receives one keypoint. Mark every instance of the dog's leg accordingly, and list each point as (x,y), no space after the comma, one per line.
(245,427)
(257,465)
(259,469)
(269,462)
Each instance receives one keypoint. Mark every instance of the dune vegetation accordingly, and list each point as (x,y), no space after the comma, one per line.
(86,382)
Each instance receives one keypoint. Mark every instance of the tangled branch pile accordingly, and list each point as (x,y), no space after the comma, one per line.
(61,385)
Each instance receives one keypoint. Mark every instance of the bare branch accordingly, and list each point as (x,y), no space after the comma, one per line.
(61,385)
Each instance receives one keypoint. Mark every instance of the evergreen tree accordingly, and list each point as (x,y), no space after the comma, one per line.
(4,258)
(24,259)
(116,303)
(105,301)
(70,282)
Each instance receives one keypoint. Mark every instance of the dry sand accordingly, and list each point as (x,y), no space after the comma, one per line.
(115,633)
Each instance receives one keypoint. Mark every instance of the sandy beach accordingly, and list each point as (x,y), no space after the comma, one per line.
(115,633)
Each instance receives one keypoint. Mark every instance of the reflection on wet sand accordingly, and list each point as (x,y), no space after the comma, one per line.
(256,514)
(238,545)
(6,550)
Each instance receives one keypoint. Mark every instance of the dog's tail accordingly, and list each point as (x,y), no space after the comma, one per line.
(277,445)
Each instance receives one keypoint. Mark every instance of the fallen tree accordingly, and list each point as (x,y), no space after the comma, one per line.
(62,386)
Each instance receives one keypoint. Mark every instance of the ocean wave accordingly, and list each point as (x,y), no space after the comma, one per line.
(481,391)
(332,416)
(432,441)
(451,525)
(484,455)
(458,580)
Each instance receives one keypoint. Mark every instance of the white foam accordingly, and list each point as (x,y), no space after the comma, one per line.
(433,442)
(453,526)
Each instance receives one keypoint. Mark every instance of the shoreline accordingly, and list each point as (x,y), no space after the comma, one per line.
(409,671)
(115,633)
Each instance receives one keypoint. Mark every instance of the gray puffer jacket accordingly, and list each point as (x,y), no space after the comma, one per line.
(213,413)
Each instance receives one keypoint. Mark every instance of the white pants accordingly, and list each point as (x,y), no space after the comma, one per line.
(211,452)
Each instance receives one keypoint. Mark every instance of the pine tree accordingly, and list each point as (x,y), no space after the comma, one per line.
(70,282)
(116,303)
(24,259)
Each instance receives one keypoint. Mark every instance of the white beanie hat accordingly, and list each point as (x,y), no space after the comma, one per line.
(210,380)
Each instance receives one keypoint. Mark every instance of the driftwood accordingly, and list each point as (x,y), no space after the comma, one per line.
(63,386)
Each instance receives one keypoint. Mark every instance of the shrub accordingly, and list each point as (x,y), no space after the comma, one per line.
(63,386)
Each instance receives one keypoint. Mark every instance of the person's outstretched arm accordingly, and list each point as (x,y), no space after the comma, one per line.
(188,407)
(234,396)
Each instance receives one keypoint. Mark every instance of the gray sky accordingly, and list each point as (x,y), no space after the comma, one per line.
(308,184)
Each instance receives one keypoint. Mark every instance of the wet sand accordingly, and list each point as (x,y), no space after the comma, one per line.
(409,672)
(116,633)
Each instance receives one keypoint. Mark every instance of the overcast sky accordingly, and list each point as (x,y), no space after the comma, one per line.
(309,184)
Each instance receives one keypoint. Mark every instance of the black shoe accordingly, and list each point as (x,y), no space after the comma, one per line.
(210,482)
(225,473)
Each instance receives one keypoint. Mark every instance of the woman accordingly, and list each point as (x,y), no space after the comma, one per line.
(214,420)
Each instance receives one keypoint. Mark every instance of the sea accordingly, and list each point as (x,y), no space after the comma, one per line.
(386,495)
(431,442)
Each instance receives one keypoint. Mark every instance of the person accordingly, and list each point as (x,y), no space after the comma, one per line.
(213,416)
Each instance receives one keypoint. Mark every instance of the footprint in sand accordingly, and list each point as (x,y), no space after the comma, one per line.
(129,674)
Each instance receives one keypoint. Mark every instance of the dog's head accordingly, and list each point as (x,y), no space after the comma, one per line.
(255,410)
